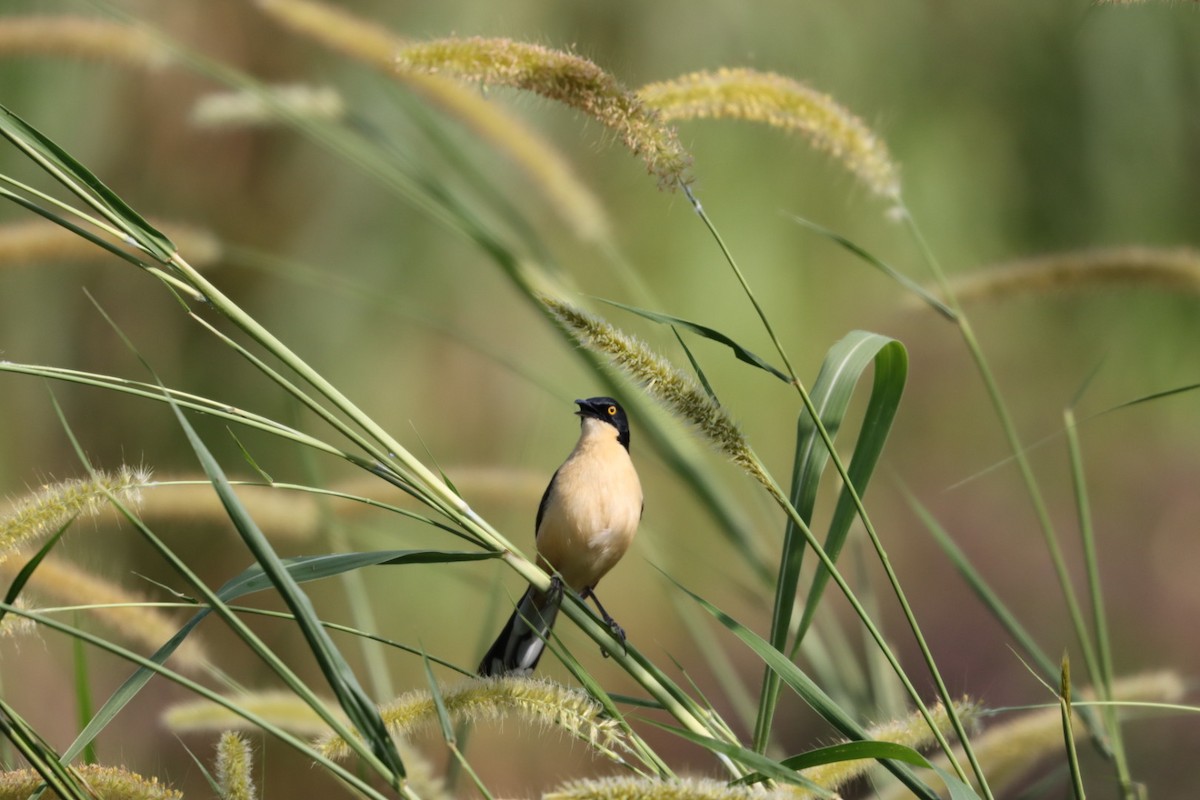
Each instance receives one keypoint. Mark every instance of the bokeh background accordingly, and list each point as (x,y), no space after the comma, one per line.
(1022,128)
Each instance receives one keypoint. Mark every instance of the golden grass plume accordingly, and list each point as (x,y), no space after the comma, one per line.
(235,762)
(37,241)
(911,731)
(534,700)
(1008,750)
(639,788)
(784,103)
(81,37)
(241,109)
(1133,266)
(281,708)
(565,78)
(111,783)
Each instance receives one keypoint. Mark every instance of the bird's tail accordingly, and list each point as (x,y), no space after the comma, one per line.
(521,642)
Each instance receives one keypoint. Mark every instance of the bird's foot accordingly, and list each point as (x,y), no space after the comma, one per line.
(613,627)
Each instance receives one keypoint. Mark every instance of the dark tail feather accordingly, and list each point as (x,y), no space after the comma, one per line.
(521,642)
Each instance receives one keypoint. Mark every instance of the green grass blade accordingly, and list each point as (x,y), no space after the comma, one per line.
(362,712)
(158,669)
(85,185)
(439,703)
(26,572)
(73,228)
(708,333)
(764,767)
(890,360)
(1064,704)
(1099,617)
(1025,641)
(854,751)
(687,351)
(887,269)
(808,691)
(844,364)
(39,754)
(83,694)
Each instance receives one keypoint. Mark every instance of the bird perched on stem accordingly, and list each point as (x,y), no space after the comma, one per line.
(586,521)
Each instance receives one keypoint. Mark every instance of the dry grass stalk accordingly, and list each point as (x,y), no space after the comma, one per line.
(378,48)
(80,37)
(39,241)
(1173,269)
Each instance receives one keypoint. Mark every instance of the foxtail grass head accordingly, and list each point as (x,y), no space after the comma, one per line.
(113,783)
(661,379)
(783,103)
(565,78)
(235,762)
(43,511)
(86,38)
(533,700)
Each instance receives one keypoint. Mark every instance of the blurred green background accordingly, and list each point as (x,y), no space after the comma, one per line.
(1021,127)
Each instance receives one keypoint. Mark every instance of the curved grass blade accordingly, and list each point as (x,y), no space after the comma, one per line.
(26,572)
(40,755)
(882,266)
(855,751)
(844,364)
(84,184)
(808,691)
(254,579)
(359,708)
(73,228)
(767,769)
(708,333)
(848,359)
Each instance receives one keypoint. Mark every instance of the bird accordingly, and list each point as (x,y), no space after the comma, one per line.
(585,522)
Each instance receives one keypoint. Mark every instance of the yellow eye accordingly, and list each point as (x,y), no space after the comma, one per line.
(612,411)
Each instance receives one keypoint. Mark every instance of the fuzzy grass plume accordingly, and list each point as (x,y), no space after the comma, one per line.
(67,584)
(1171,269)
(638,788)
(1008,750)
(282,515)
(14,625)
(80,37)
(43,511)
(782,103)
(284,709)
(110,783)
(565,78)
(244,109)
(235,762)
(661,379)
(912,731)
(534,700)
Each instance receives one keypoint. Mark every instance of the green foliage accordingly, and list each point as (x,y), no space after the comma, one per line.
(329,379)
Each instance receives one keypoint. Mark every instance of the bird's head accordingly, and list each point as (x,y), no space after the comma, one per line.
(606,410)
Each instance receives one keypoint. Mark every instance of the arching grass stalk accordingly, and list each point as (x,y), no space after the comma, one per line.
(1087,534)
(783,604)
(1009,427)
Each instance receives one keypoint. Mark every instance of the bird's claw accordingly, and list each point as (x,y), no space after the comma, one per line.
(616,631)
